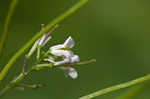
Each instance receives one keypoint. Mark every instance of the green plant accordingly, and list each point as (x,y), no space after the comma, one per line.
(44,59)
(47,59)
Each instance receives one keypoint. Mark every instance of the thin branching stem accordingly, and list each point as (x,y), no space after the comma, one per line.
(11,11)
(116,87)
(15,82)
(39,34)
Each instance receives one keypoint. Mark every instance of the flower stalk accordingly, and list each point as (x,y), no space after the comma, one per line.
(59,19)
(16,82)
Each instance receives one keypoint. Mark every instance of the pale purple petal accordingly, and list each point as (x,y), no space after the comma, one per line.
(42,39)
(45,42)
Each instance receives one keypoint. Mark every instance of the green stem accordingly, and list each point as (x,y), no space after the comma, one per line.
(38,52)
(39,34)
(132,93)
(117,87)
(14,83)
(11,11)
(43,56)
(34,86)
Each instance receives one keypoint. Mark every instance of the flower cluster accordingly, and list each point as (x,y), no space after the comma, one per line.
(64,51)
(55,53)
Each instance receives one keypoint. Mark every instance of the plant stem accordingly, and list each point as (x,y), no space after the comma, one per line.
(14,83)
(11,11)
(38,53)
(132,93)
(117,87)
(34,86)
(39,34)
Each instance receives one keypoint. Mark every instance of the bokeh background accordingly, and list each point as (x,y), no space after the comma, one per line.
(114,32)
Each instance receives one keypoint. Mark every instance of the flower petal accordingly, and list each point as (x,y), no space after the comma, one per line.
(75,59)
(66,60)
(57,47)
(69,42)
(61,53)
(58,62)
(71,72)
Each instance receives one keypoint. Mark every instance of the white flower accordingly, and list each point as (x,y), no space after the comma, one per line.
(69,42)
(63,50)
(58,62)
(70,72)
(75,59)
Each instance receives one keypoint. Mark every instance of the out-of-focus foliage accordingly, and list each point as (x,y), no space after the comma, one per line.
(115,32)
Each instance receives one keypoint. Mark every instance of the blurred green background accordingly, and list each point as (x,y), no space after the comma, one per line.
(114,32)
